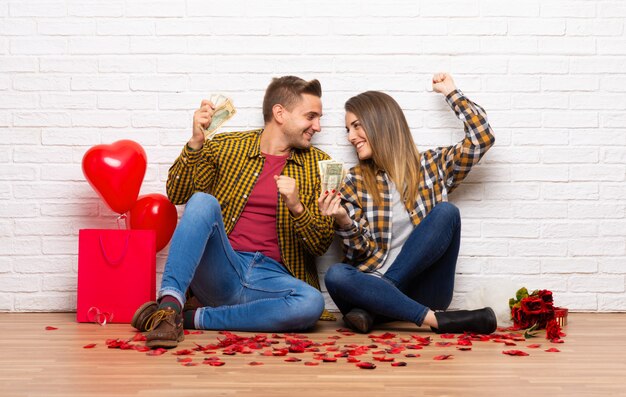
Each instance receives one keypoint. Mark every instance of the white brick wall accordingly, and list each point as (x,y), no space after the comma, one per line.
(545,209)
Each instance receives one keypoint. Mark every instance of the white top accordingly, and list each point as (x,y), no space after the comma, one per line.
(401,228)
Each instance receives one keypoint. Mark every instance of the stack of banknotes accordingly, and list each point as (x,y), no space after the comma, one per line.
(331,174)
(224,110)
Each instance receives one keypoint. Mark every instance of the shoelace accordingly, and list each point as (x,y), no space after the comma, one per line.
(156,318)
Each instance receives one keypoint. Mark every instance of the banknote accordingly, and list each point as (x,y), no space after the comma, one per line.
(224,110)
(331,174)
(218,99)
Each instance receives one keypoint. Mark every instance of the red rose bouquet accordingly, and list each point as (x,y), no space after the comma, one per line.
(531,310)
(535,311)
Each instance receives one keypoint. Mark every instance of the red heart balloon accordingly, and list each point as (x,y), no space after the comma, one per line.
(154,212)
(116,172)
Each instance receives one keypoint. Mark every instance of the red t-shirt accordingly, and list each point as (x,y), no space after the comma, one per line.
(255,229)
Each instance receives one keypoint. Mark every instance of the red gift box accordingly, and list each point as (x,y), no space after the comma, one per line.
(116,273)
(560,314)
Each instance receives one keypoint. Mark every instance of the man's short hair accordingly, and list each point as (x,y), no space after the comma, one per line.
(286,91)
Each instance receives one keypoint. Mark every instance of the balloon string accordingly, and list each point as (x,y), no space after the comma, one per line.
(119,218)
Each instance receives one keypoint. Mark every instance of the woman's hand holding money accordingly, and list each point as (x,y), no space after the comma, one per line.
(330,205)
(201,120)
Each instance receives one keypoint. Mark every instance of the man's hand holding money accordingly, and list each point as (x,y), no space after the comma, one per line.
(209,117)
(224,110)
(201,121)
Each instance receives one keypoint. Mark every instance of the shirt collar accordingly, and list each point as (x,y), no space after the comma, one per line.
(255,148)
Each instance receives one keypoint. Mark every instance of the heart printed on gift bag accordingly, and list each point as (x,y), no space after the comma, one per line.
(116,172)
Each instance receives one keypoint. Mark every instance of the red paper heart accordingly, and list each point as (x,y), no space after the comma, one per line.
(116,172)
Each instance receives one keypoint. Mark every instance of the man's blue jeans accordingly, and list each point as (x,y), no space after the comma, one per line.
(421,277)
(243,291)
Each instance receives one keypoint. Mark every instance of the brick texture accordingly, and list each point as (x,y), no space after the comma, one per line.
(545,209)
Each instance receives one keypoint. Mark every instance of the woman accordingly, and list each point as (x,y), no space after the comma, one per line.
(400,235)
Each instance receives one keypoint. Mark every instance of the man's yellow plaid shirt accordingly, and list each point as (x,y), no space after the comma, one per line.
(228,167)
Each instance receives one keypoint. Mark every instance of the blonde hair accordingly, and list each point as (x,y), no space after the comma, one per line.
(393,148)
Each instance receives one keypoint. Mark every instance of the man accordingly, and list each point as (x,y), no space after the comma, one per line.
(246,243)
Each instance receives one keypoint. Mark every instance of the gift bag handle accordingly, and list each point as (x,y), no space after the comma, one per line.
(121,257)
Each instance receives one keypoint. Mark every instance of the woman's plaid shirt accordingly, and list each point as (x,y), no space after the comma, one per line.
(228,167)
(442,170)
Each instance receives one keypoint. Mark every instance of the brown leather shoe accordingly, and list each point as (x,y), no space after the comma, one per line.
(165,329)
(140,319)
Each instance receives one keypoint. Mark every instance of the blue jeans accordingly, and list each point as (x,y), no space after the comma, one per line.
(243,291)
(421,277)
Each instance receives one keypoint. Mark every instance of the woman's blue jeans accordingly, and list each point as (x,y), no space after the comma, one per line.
(243,291)
(421,277)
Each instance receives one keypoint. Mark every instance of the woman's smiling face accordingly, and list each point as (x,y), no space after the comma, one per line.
(357,136)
